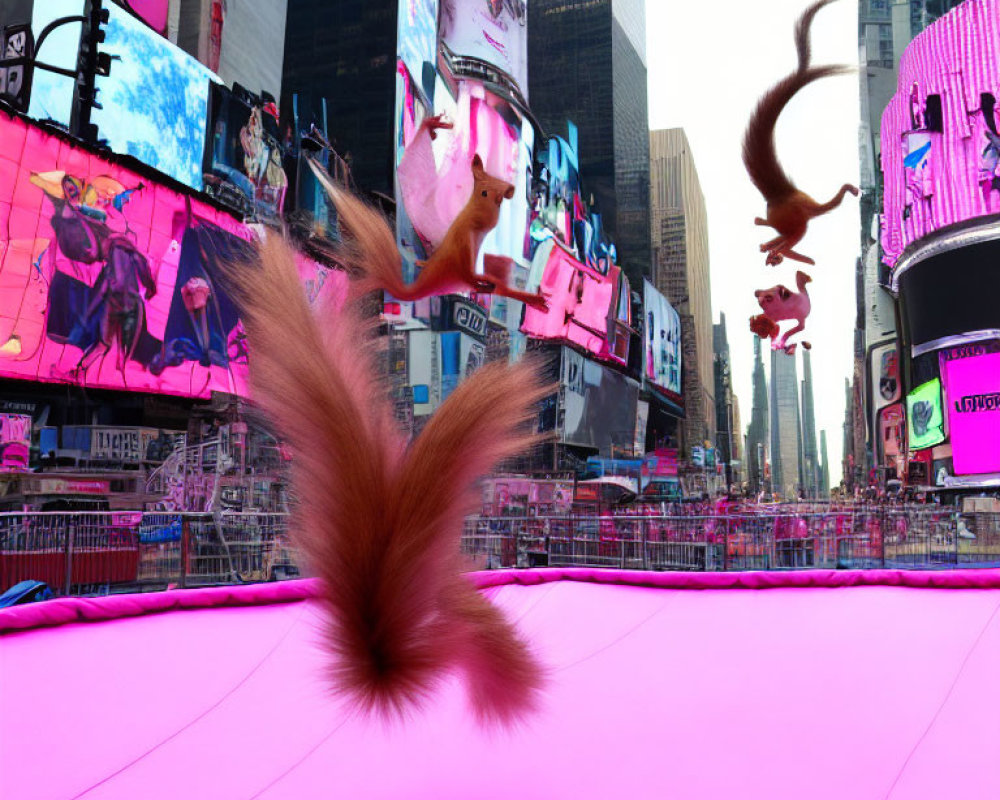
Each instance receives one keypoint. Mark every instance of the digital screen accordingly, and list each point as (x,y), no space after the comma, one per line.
(925,417)
(494,31)
(661,341)
(15,442)
(417,38)
(244,162)
(972,392)
(111,281)
(154,102)
(580,301)
(598,406)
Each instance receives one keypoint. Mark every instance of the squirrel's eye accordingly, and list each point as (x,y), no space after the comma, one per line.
(484,193)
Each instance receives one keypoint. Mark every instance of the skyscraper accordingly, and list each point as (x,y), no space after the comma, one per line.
(726,431)
(786,439)
(824,478)
(681,267)
(758,434)
(345,52)
(810,455)
(587,64)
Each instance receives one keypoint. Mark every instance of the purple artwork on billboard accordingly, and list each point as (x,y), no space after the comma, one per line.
(940,143)
(108,280)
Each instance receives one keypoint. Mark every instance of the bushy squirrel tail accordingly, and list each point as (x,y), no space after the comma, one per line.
(380,521)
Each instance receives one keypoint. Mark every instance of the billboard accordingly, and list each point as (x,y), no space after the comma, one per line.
(110,281)
(971,379)
(243,159)
(154,102)
(438,361)
(926,419)
(15,442)
(939,136)
(891,449)
(416,36)
(585,306)
(661,342)
(598,407)
(493,31)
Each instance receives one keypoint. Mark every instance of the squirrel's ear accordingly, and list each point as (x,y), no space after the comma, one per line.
(477,162)
(509,192)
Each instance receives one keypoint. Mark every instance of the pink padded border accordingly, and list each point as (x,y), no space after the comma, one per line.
(94,609)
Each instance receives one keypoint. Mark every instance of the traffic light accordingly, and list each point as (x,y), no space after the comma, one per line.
(90,64)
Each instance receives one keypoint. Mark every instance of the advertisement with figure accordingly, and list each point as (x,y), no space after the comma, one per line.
(243,158)
(494,31)
(417,39)
(926,421)
(111,281)
(661,342)
(971,382)
(15,442)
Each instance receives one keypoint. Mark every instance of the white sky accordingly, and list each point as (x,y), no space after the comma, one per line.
(708,64)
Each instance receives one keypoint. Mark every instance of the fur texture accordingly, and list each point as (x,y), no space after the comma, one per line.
(788,209)
(450,268)
(377,518)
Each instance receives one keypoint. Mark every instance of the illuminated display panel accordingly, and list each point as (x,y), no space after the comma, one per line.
(109,280)
(972,392)
(939,136)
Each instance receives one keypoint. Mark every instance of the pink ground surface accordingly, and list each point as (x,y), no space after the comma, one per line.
(829,685)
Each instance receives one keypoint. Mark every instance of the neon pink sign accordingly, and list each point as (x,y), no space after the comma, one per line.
(940,139)
(972,391)
(109,280)
(581,302)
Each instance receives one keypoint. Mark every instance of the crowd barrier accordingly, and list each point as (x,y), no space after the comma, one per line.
(101,552)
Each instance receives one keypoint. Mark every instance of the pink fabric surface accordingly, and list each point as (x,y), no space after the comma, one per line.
(99,609)
(870,690)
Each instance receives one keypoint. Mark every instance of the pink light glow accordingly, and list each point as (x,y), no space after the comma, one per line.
(580,302)
(885,686)
(94,262)
(972,393)
(951,175)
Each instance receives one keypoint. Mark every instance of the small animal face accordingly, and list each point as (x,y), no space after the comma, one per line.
(486,186)
(779,302)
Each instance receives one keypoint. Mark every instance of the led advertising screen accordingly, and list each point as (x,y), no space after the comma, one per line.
(971,378)
(494,31)
(581,301)
(598,406)
(926,419)
(244,162)
(154,102)
(661,341)
(940,148)
(15,442)
(108,280)
(417,40)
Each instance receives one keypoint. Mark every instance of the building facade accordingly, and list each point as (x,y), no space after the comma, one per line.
(681,267)
(588,64)
(786,431)
(811,467)
(758,438)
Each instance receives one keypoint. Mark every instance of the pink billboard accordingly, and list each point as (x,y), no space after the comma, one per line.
(109,280)
(939,134)
(972,393)
(584,305)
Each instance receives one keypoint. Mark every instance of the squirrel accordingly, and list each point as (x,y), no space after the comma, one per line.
(788,209)
(451,267)
(379,518)
(780,303)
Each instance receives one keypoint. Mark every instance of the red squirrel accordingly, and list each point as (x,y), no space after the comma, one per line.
(377,518)
(788,209)
(451,267)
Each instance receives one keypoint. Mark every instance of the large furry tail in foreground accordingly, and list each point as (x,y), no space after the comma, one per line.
(378,521)
(368,245)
